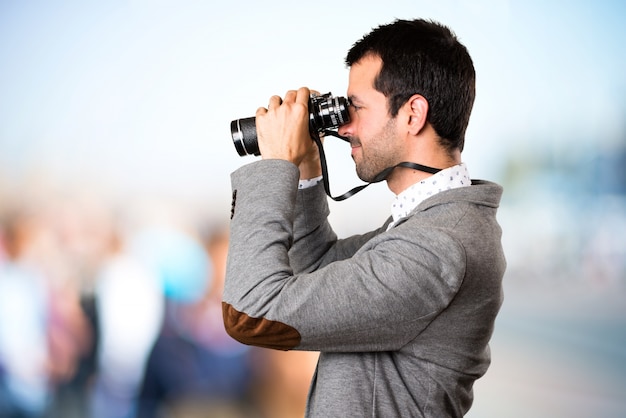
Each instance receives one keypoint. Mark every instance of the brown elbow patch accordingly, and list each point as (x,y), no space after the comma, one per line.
(260,332)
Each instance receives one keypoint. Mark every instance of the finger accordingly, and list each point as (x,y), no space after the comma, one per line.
(303,95)
(275,101)
(290,96)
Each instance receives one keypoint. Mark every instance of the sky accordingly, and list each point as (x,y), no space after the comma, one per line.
(138,96)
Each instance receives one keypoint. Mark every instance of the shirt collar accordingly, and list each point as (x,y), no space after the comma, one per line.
(447,179)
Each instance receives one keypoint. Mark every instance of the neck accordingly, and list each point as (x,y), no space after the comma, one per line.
(403,177)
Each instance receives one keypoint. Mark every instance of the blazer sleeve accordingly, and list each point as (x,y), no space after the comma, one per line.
(303,289)
(315,243)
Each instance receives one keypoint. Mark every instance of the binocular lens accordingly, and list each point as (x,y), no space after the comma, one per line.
(325,112)
(243,132)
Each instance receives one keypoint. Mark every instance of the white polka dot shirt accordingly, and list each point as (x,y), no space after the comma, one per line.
(447,179)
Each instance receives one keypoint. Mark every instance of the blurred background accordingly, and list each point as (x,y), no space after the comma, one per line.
(115,154)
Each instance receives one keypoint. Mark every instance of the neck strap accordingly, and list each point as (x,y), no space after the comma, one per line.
(379,177)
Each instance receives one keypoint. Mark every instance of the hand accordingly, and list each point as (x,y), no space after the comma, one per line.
(310,166)
(283,128)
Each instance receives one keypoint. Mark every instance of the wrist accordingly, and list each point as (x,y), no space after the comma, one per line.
(310,170)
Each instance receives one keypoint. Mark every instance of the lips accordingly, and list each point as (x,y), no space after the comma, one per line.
(354,145)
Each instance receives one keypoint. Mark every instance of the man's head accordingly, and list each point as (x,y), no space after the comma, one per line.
(425,58)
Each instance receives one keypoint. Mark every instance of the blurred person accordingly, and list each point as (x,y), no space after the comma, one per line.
(71,341)
(35,252)
(195,369)
(129,306)
(402,315)
(69,250)
(24,358)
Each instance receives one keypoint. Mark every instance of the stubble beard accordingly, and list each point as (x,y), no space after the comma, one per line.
(379,154)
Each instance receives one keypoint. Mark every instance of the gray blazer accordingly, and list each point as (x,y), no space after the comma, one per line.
(402,318)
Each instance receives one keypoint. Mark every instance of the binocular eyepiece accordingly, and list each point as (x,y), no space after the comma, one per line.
(325,112)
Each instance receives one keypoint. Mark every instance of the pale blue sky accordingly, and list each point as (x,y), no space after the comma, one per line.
(140,94)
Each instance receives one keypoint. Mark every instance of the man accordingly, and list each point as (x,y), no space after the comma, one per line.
(402,315)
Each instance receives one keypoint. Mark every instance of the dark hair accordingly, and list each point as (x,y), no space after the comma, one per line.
(423,57)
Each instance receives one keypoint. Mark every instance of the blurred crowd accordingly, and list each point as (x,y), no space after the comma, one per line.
(111,307)
(106,313)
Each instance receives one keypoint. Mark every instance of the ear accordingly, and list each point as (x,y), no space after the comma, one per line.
(417,108)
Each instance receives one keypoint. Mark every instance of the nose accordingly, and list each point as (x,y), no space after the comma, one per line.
(348,128)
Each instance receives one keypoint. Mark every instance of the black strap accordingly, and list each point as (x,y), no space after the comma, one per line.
(380,177)
(320,147)
(419,167)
